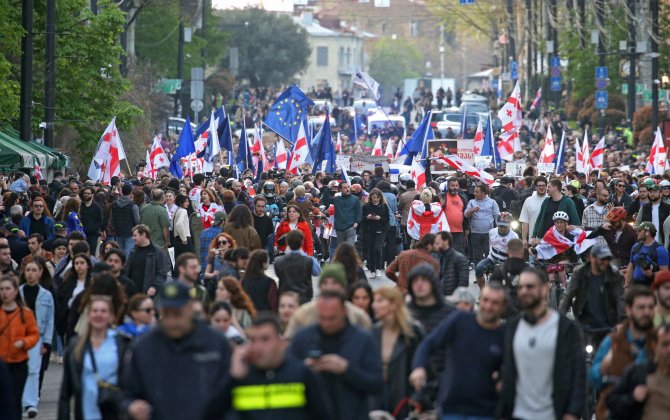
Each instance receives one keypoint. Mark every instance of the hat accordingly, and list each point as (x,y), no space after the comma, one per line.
(334,271)
(660,278)
(461,294)
(89,183)
(136,182)
(575,183)
(12,227)
(601,251)
(646,226)
(173,295)
(60,226)
(219,217)
(652,187)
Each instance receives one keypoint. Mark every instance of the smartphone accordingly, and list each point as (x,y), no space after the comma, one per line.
(314,354)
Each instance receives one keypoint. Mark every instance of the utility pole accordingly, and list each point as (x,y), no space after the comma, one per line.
(26,71)
(510,30)
(529,50)
(581,12)
(653,5)
(50,74)
(180,70)
(600,17)
(553,31)
(441,48)
(203,29)
(630,109)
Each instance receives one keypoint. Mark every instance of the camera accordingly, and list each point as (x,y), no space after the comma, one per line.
(646,264)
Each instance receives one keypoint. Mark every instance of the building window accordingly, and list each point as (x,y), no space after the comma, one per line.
(414,28)
(321,56)
(348,56)
(383,30)
(341,57)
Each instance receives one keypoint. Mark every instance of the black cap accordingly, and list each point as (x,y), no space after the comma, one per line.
(173,295)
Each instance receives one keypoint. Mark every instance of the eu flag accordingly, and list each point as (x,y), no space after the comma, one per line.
(185,147)
(490,148)
(243,159)
(325,149)
(418,142)
(288,112)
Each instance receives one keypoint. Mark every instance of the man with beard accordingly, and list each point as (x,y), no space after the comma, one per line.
(531,208)
(641,199)
(594,215)
(543,374)
(662,290)
(619,235)
(646,257)
(595,292)
(657,212)
(454,206)
(555,202)
(631,343)
(473,346)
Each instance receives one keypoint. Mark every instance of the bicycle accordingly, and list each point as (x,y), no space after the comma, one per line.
(559,274)
(592,339)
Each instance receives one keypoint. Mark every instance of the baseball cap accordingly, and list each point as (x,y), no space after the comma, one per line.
(219,217)
(461,294)
(646,226)
(60,226)
(173,295)
(601,251)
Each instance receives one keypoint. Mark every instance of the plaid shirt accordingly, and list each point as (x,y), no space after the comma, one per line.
(591,219)
(206,238)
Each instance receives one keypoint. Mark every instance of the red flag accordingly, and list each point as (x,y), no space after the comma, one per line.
(455,162)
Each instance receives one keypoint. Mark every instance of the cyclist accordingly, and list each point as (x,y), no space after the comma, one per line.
(499,237)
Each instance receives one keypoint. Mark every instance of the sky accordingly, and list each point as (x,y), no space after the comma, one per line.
(272,5)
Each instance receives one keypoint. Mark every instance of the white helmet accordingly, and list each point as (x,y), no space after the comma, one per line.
(664,183)
(561,215)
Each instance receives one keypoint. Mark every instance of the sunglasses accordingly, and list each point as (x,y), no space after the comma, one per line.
(147,310)
(223,242)
(527,286)
(38,206)
(620,185)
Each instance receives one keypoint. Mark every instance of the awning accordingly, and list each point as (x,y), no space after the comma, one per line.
(48,158)
(13,156)
(21,145)
(61,160)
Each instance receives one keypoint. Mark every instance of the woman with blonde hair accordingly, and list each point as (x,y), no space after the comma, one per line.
(397,336)
(92,361)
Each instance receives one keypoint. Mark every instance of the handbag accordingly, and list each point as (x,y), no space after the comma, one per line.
(109,395)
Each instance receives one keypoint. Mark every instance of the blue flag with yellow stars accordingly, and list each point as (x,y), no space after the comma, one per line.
(288,112)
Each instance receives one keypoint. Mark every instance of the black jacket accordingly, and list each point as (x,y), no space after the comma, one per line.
(177,378)
(71,384)
(454,271)
(123,217)
(663,213)
(372,226)
(578,289)
(291,379)
(569,384)
(92,219)
(155,269)
(620,402)
(264,227)
(294,272)
(363,377)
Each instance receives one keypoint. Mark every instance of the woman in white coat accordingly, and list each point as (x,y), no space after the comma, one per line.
(36,292)
(181,228)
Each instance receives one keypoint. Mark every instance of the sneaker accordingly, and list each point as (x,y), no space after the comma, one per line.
(31,412)
(378,273)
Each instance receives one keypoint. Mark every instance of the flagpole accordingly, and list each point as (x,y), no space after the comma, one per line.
(130,173)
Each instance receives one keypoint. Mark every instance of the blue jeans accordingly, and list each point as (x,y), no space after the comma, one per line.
(464,417)
(483,265)
(126,244)
(31,388)
(332,247)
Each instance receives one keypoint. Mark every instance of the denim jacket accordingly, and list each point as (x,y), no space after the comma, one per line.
(44,313)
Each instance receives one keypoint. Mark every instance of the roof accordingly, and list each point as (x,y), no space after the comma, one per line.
(481,74)
(313,27)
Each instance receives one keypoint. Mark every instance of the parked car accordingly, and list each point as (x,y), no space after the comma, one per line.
(454,121)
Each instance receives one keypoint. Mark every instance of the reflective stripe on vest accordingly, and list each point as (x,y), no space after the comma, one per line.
(271,396)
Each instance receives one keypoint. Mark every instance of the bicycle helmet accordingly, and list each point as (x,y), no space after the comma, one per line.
(561,215)
(404,177)
(649,182)
(616,214)
(664,183)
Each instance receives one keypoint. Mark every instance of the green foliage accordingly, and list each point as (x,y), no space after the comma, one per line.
(394,60)
(89,84)
(157,38)
(10,51)
(272,47)
(482,18)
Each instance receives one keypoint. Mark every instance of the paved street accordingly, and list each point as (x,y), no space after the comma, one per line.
(50,392)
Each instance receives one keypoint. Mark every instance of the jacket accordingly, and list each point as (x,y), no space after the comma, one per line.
(49,223)
(156,267)
(578,289)
(124,216)
(294,272)
(454,271)
(404,203)
(644,215)
(246,237)
(72,372)
(347,392)
(292,385)
(620,247)
(565,204)
(73,222)
(284,227)
(45,313)
(199,363)
(372,226)
(262,291)
(569,376)
(620,402)
(397,370)
(407,260)
(181,229)
(13,329)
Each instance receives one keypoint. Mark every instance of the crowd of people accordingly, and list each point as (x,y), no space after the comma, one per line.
(157,295)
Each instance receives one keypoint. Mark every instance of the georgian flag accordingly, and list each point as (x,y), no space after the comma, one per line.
(389,149)
(338,145)
(300,151)
(511,117)
(377,149)
(421,221)
(596,160)
(208,215)
(37,171)
(583,157)
(106,162)
(657,155)
(281,155)
(455,162)
(548,152)
(157,157)
(418,174)
(553,243)
(478,142)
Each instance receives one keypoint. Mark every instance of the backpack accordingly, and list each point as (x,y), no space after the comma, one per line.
(638,246)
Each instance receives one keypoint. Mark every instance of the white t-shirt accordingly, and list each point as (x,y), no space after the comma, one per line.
(531,210)
(498,244)
(656,222)
(534,356)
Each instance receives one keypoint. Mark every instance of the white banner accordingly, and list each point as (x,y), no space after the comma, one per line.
(546,168)
(360,163)
(515,168)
